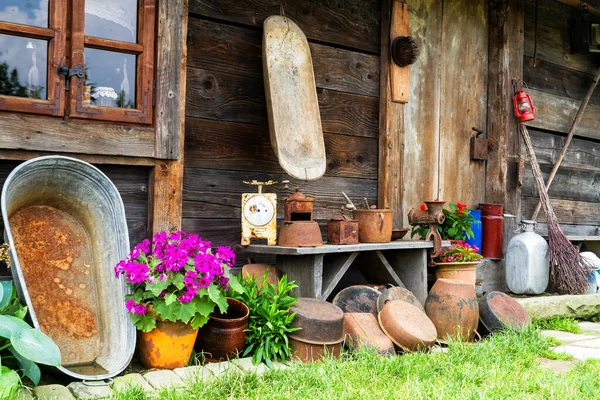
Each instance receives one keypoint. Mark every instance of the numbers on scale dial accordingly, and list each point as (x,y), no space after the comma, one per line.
(259,210)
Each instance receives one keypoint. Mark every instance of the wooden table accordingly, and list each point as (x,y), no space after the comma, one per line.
(317,270)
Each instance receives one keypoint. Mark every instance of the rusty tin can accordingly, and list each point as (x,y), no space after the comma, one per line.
(407,326)
(342,231)
(322,329)
(498,311)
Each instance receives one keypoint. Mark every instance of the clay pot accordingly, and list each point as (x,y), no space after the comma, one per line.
(453,309)
(168,346)
(257,271)
(407,325)
(463,271)
(397,293)
(500,311)
(357,298)
(374,225)
(223,336)
(362,330)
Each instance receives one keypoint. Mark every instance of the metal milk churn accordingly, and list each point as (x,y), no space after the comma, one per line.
(527,267)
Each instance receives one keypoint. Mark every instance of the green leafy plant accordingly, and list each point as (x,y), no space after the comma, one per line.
(179,278)
(270,318)
(463,252)
(21,346)
(458,224)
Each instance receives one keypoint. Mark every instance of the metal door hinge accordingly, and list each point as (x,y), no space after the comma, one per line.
(69,72)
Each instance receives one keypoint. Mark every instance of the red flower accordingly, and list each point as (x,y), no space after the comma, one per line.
(461,206)
(423,207)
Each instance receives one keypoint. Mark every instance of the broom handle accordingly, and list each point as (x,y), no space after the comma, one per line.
(578,117)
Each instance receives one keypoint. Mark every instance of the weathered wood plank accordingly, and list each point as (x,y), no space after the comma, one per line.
(568,184)
(505,64)
(232,146)
(560,81)
(227,97)
(21,155)
(550,13)
(465,43)
(582,154)
(23,132)
(571,230)
(237,50)
(170,76)
(553,47)
(217,193)
(422,112)
(391,130)
(166,178)
(355,24)
(556,113)
(567,211)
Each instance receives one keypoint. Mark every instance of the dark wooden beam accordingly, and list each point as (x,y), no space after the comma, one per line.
(505,64)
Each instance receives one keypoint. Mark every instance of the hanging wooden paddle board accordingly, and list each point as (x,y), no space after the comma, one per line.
(292,104)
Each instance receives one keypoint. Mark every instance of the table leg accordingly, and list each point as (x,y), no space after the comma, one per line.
(306,270)
(411,268)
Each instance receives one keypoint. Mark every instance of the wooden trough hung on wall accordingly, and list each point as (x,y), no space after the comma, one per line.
(65,223)
(292,104)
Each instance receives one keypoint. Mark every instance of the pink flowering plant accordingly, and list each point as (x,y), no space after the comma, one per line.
(463,252)
(177,277)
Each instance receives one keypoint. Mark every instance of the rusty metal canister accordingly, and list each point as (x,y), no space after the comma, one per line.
(342,231)
(492,228)
(407,326)
(453,309)
(322,329)
(362,330)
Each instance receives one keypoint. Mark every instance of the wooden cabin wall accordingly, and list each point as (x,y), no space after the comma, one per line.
(227,136)
(448,97)
(558,83)
(132,184)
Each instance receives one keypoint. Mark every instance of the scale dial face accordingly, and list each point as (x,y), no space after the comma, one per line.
(259,210)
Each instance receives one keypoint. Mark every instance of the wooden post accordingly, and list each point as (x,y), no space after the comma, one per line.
(166,178)
(391,130)
(505,64)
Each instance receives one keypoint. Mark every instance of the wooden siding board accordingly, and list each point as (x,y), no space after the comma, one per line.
(556,113)
(567,211)
(233,146)
(210,193)
(582,154)
(568,184)
(422,112)
(234,98)
(237,50)
(465,44)
(324,20)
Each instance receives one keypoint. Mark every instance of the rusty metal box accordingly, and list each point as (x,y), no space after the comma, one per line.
(342,231)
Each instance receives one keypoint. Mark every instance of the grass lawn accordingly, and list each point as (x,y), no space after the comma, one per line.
(558,324)
(504,366)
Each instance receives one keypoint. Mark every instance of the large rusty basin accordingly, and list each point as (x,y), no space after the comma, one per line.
(65,223)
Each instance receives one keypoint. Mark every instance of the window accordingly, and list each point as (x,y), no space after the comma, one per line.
(91,59)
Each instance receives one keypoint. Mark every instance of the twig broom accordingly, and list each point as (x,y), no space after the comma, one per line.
(569,271)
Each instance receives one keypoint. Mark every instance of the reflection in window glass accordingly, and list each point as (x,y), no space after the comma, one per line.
(109,78)
(23,67)
(26,12)
(111,19)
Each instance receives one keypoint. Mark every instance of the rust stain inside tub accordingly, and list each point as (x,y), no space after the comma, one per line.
(55,253)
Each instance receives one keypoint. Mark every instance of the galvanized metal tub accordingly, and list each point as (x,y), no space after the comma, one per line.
(65,223)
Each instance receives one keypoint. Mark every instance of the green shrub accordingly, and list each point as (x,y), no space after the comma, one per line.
(270,320)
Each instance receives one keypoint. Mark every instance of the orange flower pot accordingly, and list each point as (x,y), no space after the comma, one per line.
(168,346)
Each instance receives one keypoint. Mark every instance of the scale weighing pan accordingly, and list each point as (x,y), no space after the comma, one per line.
(292,104)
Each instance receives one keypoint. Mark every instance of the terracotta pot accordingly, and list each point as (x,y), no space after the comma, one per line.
(168,346)
(374,225)
(223,336)
(310,352)
(453,309)
(463,271)
(407,326)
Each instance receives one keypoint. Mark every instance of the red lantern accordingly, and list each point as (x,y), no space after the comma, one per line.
(524,108)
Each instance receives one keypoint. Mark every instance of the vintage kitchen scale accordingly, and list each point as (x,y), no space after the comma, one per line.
(259,214)
(298,229)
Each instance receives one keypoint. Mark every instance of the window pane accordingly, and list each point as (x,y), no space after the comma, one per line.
(26,12)
(110,78)
(111,19)
(23,67)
